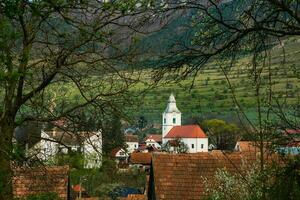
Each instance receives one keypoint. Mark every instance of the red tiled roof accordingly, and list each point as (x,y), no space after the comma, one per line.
(140,158)
(77,188)
(182,176)
(155,137)
(30,181)
(244,146)
(115,151)
(251,146)
(292,131)
(134,197)
(187,131)
(131,138)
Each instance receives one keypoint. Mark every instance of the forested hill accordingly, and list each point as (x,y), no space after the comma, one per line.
(211,97)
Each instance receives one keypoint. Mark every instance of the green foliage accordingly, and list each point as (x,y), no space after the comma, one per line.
(112,135)
(74,159)
(276,182)
(220,133)
(99,182)
(287,184)
(227,186)
(175,146)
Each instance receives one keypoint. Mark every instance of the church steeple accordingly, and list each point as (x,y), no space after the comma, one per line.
(171,116)
(171,107)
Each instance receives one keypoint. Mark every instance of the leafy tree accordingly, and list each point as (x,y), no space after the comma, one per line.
(112,135)
(177,146)
(221,134)
(142,122)
(46,44)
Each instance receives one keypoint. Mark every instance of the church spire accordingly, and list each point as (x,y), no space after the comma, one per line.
(171,107)
(171,117)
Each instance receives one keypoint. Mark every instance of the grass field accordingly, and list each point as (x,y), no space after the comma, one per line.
(211,97)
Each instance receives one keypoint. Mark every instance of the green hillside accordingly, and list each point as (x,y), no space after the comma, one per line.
(211,96)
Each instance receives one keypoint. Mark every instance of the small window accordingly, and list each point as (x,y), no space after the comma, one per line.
(174,120)
(135,145)
(202,146)
(192,146)
(165,121)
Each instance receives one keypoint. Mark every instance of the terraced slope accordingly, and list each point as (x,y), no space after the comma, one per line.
(211,95)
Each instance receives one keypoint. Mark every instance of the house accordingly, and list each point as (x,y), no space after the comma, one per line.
(146,149)
(132,142)
(246,146)
(290,142)
(185,176)
(41,180)
(140,160)
(120,156)
(154,140)
(191,135)
(52,143)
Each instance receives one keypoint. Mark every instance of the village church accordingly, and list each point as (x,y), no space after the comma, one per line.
(172,130)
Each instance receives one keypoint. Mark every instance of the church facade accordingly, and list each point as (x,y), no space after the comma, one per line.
(191,135)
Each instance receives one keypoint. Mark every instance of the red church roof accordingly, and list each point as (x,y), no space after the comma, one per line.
(187,131)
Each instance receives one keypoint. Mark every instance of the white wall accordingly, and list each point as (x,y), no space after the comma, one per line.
(92,150)
(168,118)
(151,142)
(200,144)
(45,149)
(197,142)
(131,146)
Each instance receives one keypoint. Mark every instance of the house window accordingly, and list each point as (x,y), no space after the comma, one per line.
(192,146)
(165,121)
(202,146)
(135,146)
(174,120)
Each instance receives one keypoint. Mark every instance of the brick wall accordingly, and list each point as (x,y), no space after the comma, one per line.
(29,181)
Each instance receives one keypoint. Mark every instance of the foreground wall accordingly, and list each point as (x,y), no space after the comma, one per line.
(30,181)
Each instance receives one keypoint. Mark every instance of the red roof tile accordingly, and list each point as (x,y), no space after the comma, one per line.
(155,137)
(77,188)
(140,158)
(114,152)
(292,131)
(134,197)
(246,146)
(187,131)
(183,176)
(30,180)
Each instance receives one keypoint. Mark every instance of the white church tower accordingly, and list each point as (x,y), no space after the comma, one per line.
(171,117)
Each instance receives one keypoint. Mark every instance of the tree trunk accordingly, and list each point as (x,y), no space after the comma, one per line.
(6,148)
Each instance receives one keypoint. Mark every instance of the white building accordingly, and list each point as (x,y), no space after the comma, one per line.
(54,142)
(171,117)
(132,143)
(192,135)
(153,140)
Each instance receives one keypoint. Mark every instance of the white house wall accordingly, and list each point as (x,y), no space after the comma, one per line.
(131,146)
(197,142)
(168,122)
(92,150)
(150,142)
